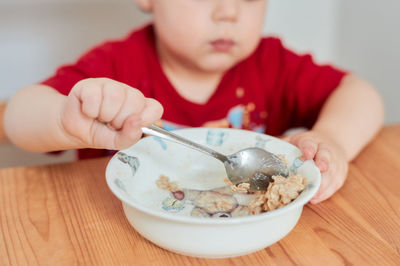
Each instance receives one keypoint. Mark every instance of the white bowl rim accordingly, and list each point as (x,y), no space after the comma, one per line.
(297,203)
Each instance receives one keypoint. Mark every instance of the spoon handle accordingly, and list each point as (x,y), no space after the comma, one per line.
(162,133)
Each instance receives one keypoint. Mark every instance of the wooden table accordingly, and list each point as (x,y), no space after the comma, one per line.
(66,215)
(3,136)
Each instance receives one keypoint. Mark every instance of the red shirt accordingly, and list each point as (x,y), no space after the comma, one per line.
(270,91)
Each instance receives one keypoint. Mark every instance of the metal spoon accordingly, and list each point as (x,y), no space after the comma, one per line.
(251,165)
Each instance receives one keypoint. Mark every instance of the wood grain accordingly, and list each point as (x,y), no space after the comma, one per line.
(65,215)
(3,137)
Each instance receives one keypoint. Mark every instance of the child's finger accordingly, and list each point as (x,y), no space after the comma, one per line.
(152,112)
(308,147)
(323,158)
(134,104)
(90,98)
(101,136)
(131,132)
(112,101)
(326,185)
(326,193)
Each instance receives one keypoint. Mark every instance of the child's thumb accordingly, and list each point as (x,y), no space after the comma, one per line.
(152,112)
(130,133)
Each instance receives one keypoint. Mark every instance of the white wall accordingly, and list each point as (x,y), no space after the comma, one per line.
(369,44)
(305,26)
(36,36)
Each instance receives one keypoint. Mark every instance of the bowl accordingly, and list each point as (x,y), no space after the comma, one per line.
(184,221)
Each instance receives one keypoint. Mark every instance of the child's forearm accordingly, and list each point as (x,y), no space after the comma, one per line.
(32,120)
(352,115)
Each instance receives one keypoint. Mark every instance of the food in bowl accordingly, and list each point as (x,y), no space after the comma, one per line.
(162,219)
(215,203)
(278,194)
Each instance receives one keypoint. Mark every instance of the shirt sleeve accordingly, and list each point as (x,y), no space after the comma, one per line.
(97,62)
(307,86)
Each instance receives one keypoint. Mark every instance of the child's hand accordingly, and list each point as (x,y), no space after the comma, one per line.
(329,158)
(103,113)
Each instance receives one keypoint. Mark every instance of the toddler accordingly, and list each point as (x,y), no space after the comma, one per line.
(199,63)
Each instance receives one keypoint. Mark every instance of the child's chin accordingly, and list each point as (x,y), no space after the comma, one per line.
(218,65)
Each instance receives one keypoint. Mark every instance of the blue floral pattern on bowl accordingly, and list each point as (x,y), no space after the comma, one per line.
(261,142)
(120,184)
(297,163)
(215,137)
(173,205)
(161,141)
(132,161)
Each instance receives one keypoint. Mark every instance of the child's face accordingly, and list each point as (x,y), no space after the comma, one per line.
(206,35)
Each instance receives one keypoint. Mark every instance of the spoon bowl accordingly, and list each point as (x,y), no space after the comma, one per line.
(254,166)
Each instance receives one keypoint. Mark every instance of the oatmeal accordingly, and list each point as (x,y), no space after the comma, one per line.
(221,202)
(279,193)
(242,188)
(213,202)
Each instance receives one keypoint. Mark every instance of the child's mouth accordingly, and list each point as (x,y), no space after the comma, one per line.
(222,45)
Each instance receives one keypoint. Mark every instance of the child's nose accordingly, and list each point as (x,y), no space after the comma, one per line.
(226,10)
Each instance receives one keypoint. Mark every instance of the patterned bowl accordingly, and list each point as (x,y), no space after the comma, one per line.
(190,221)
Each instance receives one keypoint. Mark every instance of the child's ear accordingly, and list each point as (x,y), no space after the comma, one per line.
(145,5)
